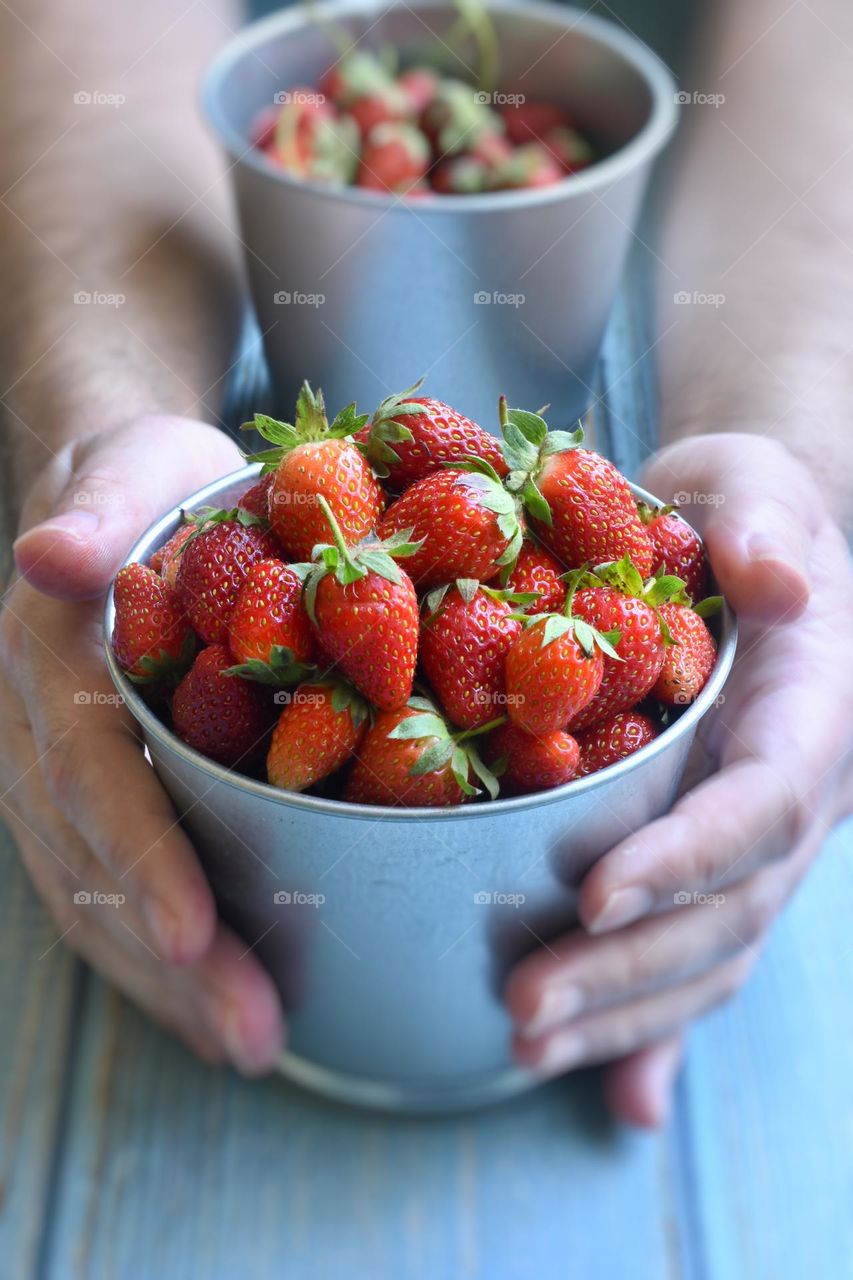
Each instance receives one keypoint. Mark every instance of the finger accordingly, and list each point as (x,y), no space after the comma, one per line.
(746,495)
(716,834)
(617,1032)
(638,1089)
(114,487)
(577,973)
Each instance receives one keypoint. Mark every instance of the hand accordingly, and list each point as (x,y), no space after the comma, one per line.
(87,811)
(735,846)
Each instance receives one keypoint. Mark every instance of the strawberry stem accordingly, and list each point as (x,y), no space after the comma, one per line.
(338,539)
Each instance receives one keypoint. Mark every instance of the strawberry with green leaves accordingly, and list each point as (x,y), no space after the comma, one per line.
(269,633)
(410,757)
(553,670)
(395,157)
(527,762)
(312,459)
(152,638)
(615,598)
(213,564)
(320,727)
(410,437)
(225,718)
(580,505)
(469,526)
(536,570)
(365,611)
(614,739)
(465,637)
(678,548)
(167,559)
(691,653)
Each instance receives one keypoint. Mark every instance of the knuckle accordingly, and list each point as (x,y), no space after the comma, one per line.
(64,771)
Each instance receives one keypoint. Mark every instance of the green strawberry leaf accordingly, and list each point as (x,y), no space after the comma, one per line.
(282,668)
(488,776)
(432,758)
(709,606)
(560,442)
(429,724)
(164,669)
(467,588)
(460,765)
(556,625)
(536,503)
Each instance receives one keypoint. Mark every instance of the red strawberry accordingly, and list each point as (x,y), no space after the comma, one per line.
(362,86)
(614,739)
(317,732)
(313,459)
(152,638)
(531,165)
(256,499)
(530,121)
(167,559)
(366,614)
(690,658)
(467,522)
(395,157)
(457,118)
(580,505)
(552,671)
(537,570)
(213,567)
(420,85)
(463,175)
(464,643)
(532,762)
(678,548)
(220,715)
(409,757)
(410,437)
(312,141)
(571,151)
(268,629)
(617,599)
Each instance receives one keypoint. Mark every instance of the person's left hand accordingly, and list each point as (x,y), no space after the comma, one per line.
(674,916)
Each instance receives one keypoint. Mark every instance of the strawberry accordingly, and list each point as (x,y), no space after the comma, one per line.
(220,715)
(464,642)
(580,505)
(463,175)
(310,459)
(312,141)
(467,523)
(616,599)
(152,638)
(366,613)
(395,157)
(537,570)
(614,739)
(213,567)
(457,118)
(678,548)
(571,151)
(269,630)
(360,85)
(320,727)
(410,437)
(553,670)
(256,499)
(526,762)
(530,121)
(409,757)
(531,165)
(167,559)
(420,85)
(690,657)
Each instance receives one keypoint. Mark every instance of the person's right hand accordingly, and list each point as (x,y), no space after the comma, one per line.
(87,812)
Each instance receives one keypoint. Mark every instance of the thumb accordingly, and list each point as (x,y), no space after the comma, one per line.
(638,1089)
(112,487)
(756,508)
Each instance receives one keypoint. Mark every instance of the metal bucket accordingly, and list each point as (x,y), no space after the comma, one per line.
(389,932)
(500,293)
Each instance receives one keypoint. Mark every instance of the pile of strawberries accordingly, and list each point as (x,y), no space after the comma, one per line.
(416,132)
(405,610)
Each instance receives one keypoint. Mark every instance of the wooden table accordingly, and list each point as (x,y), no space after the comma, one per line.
(122,1157)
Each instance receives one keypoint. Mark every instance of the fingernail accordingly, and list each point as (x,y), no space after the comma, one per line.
(559,1002)
(165,928)
(624,906)
(563,1051)
(78,524)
